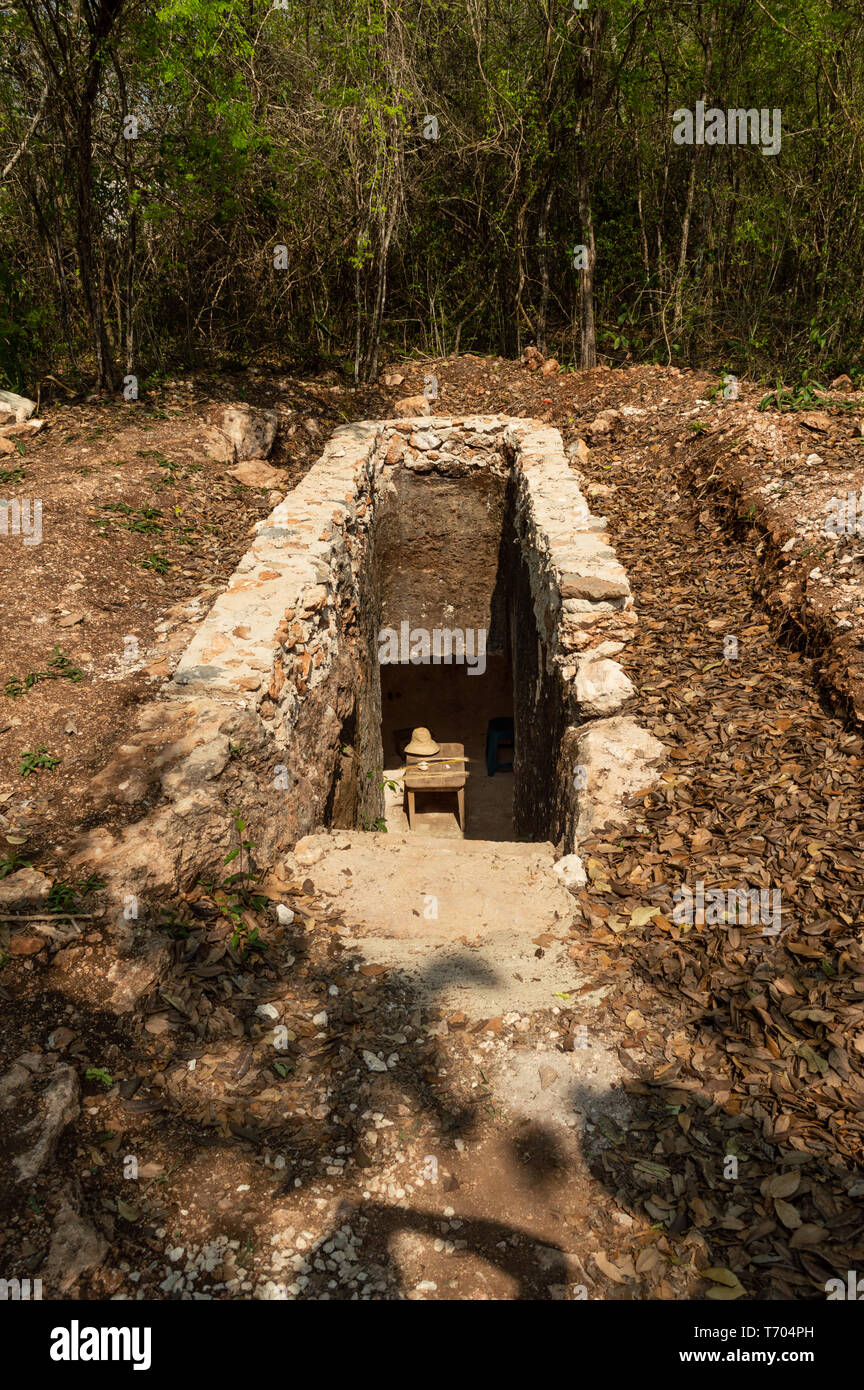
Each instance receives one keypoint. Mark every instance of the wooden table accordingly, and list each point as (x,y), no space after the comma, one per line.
(438,777)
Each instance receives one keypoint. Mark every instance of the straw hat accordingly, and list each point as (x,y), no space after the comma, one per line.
(423,743)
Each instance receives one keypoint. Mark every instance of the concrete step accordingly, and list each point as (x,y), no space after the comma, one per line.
(445,890)
(490,849)
(460,918)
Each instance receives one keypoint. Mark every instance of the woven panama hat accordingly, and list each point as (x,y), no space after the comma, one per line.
(422,743)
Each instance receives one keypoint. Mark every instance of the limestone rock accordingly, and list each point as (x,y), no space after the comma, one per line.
(602,424)
(571,871)
(26,888)
(395,450)
(407,406)
(308,851)
(250,430)
(216,445)
(602,686)
(204,762)
(131,978)
(620,758)
(38,1100)
(23,945)
(595,584)
(578,452)
(20,406)
(23,430)
(257,473)
(817,420)
(425,439)
(76,1246)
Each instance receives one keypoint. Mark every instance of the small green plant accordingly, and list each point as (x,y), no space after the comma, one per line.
(63,667)
(155,562)
(40,759)
(175,927)
(697,427)
(101,1075)
(63,897)
(379,823)
(91,884)
(384,782)
(808,395)
(145,520)
(60,667)
(11,475)
(236,895)
(10,863)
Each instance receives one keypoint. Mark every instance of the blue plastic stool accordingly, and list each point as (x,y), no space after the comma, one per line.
(499,731)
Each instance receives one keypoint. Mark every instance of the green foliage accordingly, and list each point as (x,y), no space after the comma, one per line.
(64,897)
(36,761)
(236,894)
(12,862)
(155,562)
(379,823)
(806,397)
(101,1075)
(23,323)
(305,128)
(60,667)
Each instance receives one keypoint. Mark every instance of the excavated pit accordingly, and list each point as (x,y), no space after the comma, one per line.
(281,710)
(455,635)
(446,616)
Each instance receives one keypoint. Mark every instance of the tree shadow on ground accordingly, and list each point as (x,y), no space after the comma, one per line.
(148,1113)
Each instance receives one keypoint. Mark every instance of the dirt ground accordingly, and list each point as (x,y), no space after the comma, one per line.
(690,1101)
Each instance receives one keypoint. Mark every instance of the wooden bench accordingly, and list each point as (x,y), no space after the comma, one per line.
(437,777)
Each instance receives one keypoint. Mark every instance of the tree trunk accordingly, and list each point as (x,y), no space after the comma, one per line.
(106,371)
(543,256)
(127,289)
(678,313)
(587,329)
